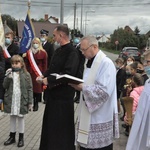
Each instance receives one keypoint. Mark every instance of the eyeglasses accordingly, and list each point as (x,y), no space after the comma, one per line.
(83,50)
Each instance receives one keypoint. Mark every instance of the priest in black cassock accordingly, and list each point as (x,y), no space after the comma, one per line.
(58,121)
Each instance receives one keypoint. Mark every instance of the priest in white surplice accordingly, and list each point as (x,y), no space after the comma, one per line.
(98,114)
(139,138)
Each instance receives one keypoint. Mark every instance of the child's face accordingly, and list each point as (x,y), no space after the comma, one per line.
(129,61)
(128,68)
(16,65)
(140,66)
(118,64)
(133,71)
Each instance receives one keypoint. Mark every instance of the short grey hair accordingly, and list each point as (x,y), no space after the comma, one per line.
(91,39)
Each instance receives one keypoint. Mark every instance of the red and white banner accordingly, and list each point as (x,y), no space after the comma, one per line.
(33,63)
(6,53)
(2,40)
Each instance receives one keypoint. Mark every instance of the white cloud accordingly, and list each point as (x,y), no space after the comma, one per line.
(108,16)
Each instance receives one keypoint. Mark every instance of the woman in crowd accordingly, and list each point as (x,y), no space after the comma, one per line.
(140,69)
(39,56)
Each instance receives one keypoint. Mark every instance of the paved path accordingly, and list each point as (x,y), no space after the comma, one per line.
(33,123)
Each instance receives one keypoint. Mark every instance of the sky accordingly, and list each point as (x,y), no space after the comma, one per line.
(102,16)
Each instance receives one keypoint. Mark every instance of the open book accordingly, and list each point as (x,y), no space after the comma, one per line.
(67,78)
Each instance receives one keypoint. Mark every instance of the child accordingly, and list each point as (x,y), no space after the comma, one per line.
(133,67)
(120,78)
(18,97)
(137,88)
(140,69)
(139,138)
(130,60)
(126,88)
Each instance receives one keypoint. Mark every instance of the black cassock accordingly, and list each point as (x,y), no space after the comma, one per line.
(58,131)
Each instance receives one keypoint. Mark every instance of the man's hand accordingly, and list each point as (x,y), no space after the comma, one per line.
(39,79)
(77,86)
(45,82)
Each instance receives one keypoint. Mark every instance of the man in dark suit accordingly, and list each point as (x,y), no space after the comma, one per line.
(49,49)
(46,44)
(12,48)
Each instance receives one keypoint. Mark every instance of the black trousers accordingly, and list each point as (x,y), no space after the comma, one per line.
(37,97)
(109,147)
(46,94)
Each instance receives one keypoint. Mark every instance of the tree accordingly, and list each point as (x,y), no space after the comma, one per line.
(136,30)
(126,38)
(11,22)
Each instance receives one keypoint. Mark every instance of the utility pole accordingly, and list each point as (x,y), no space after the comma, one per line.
(77,24)
(75,7)
(74,19)
(92,11)
(81,15)
(62,12)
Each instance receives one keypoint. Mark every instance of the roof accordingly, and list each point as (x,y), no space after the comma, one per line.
(38,26)
(7,28)
(128,29)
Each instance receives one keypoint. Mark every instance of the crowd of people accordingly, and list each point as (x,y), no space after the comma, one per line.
(23,79)
(131,78)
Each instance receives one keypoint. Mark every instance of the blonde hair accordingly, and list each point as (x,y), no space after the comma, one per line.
(131,57)
(17,59)
(119,60)
(39,42)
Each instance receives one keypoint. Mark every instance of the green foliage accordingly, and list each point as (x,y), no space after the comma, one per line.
(41,20)
(136,30)
(11,22)
(126,38)
(76,33)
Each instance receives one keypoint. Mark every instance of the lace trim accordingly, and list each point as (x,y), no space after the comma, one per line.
(101,135)
(96,97)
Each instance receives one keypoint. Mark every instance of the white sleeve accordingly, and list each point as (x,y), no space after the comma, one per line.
(97,94)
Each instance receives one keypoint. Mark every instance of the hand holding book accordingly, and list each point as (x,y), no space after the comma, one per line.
(67,78)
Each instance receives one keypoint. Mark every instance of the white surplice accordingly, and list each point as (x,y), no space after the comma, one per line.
(139,138)
(101,105)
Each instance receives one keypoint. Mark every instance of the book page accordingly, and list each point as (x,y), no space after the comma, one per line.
(67,78)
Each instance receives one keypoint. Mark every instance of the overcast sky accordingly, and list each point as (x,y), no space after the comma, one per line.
(108,15)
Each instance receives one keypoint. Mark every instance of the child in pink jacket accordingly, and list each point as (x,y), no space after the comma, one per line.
(137,88)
